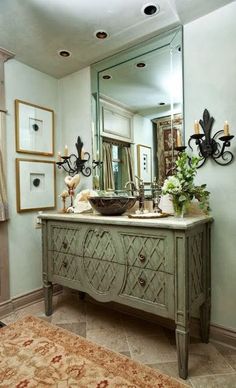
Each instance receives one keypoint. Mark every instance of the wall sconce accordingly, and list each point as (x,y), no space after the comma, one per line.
(210,146)
(97,163)
(74,164)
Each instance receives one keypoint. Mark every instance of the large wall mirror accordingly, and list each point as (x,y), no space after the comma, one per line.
(138,112)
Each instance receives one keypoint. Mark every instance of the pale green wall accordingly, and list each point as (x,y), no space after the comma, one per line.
(75,108)
(25,83)
(210,82)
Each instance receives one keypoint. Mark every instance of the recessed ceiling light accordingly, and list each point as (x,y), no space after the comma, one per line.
(107,76)
(64,53)
(141,64)
(101,34)
(161,103)
(150,9)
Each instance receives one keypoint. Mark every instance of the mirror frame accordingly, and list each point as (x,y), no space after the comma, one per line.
(152,44)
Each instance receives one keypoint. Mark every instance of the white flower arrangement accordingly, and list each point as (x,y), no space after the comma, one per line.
(181,185)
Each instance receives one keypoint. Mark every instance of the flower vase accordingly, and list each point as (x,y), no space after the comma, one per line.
(179,208)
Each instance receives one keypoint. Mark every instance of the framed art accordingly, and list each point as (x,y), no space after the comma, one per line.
(34,129)
(35,185)
(144,159)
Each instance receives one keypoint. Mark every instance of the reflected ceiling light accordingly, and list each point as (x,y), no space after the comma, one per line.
(64,53)
(107,76)
(150,9)
(101,34)
(141,64)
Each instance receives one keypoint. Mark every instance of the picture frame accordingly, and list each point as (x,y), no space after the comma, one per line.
(34,126)
(144,162)
(35,185)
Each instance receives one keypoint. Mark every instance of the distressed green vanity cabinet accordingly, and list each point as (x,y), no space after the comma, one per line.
(161,266)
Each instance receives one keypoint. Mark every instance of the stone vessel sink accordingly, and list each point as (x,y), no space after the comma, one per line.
(112,206)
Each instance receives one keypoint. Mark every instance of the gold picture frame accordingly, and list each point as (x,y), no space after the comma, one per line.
(34,126)
(144,162)
(35,185)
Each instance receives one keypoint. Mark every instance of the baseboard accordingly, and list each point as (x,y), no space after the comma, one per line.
(223,335)
(9,306)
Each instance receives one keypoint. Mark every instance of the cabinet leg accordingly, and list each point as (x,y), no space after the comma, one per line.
(48,289)
(182,343)
(205,321)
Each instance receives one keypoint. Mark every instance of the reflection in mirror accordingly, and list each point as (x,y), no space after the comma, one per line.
(138,105)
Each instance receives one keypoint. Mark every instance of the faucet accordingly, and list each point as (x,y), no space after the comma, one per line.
(133,187)
(156,196)
(141,195)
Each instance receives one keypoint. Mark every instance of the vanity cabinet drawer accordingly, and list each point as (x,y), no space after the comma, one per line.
(63,237)
(102,243)
(153,251)
(64,265)
(155,287)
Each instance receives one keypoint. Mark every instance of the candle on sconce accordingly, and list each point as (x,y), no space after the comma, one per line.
(226,128)
(82,154)
(196,127)
(59,156)
(179,140)
(66,151)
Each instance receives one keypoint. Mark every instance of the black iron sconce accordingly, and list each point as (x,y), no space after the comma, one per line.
(209,146)
(74,164)
(97,163)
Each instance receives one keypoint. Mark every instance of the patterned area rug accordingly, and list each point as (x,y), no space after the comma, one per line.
(34,353)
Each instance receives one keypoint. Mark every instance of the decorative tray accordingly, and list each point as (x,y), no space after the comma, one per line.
(149,215)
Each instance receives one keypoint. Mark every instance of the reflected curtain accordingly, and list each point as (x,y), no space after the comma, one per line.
(127,166)
(3,191)
(108,176)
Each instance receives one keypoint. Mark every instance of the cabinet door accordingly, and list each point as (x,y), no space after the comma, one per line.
(102,268)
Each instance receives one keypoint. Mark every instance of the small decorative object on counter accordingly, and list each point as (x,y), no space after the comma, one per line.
(181,186)
(71,183)
(63,196)
(81,203)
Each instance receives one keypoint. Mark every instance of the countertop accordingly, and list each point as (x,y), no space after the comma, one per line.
(171,222)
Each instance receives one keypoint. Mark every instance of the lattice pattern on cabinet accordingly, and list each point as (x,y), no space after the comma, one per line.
(100,259)
(66,266)
(152,248)
(99,244)
(153,289)
(196,267)
(101,275)
(65,239)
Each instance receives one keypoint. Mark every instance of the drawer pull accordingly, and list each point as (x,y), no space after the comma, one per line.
(64,244)
(65,263)
(142,258)
(142,282)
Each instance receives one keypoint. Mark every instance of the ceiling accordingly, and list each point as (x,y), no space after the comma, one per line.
(35,30)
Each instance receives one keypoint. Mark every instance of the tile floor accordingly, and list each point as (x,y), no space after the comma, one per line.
(210,365)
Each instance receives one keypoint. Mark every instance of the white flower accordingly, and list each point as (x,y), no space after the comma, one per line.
(172,185)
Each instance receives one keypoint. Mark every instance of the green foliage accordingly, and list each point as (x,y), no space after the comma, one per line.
(181,185)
